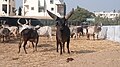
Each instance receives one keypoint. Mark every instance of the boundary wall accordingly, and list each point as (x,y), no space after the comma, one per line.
(110,33)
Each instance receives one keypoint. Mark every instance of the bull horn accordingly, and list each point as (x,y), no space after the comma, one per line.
(19,22)
(26,22)
(52,15)
(4,22)
(29,22)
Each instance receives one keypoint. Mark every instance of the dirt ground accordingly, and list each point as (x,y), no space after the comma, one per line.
(85,53)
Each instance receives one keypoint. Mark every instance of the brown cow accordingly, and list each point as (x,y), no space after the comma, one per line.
(28,34)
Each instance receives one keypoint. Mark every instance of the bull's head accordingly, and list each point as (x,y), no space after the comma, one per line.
(61,22)
(18,21)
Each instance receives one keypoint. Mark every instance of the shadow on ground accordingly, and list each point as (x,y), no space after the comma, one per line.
(83,51)
(45,45)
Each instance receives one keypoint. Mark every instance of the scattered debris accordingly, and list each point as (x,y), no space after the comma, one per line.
(15,58)
(69,59)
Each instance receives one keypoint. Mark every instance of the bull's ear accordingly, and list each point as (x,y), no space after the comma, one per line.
(69,14)
(52,15)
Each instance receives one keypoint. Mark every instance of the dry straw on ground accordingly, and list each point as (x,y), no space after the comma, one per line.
(85,53)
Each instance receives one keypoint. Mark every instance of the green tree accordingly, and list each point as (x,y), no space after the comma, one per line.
(80,14)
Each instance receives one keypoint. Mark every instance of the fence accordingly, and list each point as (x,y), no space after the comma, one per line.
(111,33)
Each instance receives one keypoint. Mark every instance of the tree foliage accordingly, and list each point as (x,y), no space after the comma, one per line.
(80,14)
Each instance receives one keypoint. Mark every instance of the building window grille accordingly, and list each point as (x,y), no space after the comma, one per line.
(100,14)
(32,8)
(13,9)
(52,9)
(4,0)
(4,8)
(9,9)
(60,9)
(41,9)
(51,1)
(111,14)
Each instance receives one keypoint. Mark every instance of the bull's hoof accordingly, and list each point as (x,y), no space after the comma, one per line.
(18,52)
(69,52)
(57,51)
(2,41)
(25,52)
(34,51)
(60,53)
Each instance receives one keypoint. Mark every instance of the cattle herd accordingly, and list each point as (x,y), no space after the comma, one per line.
(26,32)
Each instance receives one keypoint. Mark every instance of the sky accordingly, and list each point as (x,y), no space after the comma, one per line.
(91,5)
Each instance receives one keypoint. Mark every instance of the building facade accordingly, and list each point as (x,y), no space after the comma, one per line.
(110,15)
(7,7)
(39,7)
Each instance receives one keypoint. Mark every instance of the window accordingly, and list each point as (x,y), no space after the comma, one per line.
(32,8)
(111,14)
(51,1)
(4,0)
(52,9)
(13,9)
(4,8)
(100,14)
(60,9)
(41,9)
(9,9)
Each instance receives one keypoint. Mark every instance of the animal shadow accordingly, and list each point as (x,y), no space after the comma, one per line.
(48,49)
(45,45)
(83,51)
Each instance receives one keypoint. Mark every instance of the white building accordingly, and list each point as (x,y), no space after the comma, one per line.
(39,7)
(104,14)
(7,7)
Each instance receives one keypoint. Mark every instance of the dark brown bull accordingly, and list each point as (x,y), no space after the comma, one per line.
(63,31)
(28,34)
